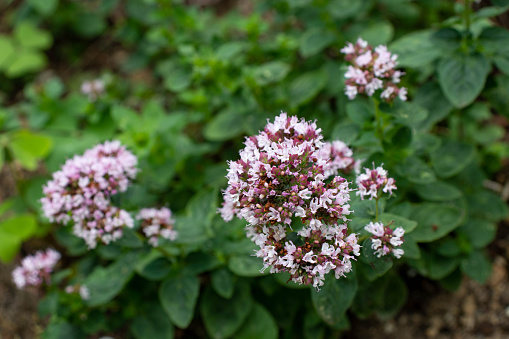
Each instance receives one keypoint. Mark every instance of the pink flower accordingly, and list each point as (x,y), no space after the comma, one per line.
(279,177)
(372,182)
(157,223)
(372,70)
(81,192)
(35,269)
(385,240)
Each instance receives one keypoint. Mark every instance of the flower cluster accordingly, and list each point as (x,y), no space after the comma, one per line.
(371,70)
(384,239)
(157,223)
(278,186)
(372,182)
(341,158)
(81,191)
(93,89)
(35,269)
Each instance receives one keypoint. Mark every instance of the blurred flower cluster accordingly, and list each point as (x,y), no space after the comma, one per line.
(157,223)
(35,269)
(81,190)
(371,70)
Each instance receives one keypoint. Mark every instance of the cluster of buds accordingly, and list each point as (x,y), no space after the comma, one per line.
(385,240)
(341,158)
(92,89)
(372,70)
(279,183)
(373,181)
(35,269)
(81,192)
(157,223)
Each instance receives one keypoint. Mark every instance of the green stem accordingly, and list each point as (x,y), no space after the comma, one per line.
(378,131)
(467,15)
(376,210)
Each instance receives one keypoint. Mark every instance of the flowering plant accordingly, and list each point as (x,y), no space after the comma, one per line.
(280,184)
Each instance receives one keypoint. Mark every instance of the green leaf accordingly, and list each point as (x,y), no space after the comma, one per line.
(487,205)
(462,77)
(479,232)
(223,317)
(500,3)
(7,48)
(28,148)
(230,50)
(416,170)
(314,40)
(495,40)
(343,9)
(20,226)
(451,158)
(178,78)
(439,266)
(346,132)
(25,62)
(202,208)
(259,324)
(222,282)
(154,325)
(410,247)
(407,113)
(399,221)
(157,269)
(306,87)
(270,72)
(376,266)
(477,266)
(9,246)
(178,296)
(416,49)
(246,265)
(44,7)
(394,295)
(73,244)
(360,112)
(62,330)
(434,221)
(29,36)
(334,297)
(502,63)
(438,191)
(378,32)
(225,125)
(430,96)
(104,283)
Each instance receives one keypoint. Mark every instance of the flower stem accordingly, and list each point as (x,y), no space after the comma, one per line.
(376,210)
(467,15)
(378,131)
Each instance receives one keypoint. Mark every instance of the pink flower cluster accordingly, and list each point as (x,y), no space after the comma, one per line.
(81,191)
(371,182)
(157,223)
(385,239)
(35,269)
(278,185)
(372,70)
(341,158)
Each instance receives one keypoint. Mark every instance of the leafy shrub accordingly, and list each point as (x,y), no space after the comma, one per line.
(208,81)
